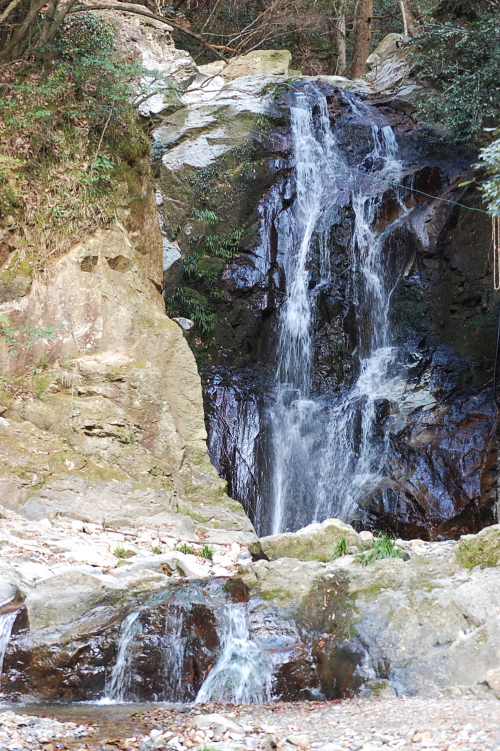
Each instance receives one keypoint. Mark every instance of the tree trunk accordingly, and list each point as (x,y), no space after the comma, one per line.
(340,43)
(362,36)
(408,18)
(21,34)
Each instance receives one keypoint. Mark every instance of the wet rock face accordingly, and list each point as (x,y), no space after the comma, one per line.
(442,440)
(174,644)
(329,629)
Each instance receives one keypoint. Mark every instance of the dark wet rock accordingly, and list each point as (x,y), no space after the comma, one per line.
(441,432)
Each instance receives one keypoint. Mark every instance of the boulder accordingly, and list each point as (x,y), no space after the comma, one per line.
(387,47)
(275,62)
(316,542)
(492,680)
(10,596)
(203,721)
(481,550)
(422,626)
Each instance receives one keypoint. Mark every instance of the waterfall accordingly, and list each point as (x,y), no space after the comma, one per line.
(6,624)
(242,673)
(326,453)
(134,645)
(162,653)
(121,673)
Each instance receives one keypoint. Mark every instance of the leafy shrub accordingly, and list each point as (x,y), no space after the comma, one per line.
(383,546)
(459,59)
(66,130)
(205,215)
(198,292)
(490,163)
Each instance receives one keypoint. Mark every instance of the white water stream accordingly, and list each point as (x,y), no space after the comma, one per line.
(242,673)
(326,455)
(6,624)
(121,673)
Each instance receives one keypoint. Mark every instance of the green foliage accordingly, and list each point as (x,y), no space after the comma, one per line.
(198,292)
(156,550)
(340,548)
(224,246)
(186,302)
(185,548)
(207,216)
(261,121)
(459,59)
(207,552)
(383,546)
(120,552)
(66,129)
(41,365)
(490,163)
(18,337)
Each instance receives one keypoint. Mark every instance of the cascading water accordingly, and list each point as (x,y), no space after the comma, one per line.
(326,454)
(121,673)
(243,672)
(6,624)
(220,661)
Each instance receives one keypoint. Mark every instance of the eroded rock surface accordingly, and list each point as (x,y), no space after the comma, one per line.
(422,625)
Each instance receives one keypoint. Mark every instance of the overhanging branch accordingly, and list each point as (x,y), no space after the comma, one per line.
(125,8)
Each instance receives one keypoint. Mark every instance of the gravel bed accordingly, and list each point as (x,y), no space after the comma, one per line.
(20,732)
(382,724)
(443,724)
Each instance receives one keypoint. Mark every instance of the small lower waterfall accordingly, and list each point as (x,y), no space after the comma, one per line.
(242,673)
(326,454)
(6,624)
(121,673)
(226,666)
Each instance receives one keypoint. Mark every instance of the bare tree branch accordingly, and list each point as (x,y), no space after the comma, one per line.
(9,10)
(129,8)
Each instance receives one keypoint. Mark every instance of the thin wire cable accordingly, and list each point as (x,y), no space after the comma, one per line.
(496,251)
(381,180)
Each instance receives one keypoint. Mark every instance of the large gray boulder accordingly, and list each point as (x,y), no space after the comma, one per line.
(316,542)
(422,626)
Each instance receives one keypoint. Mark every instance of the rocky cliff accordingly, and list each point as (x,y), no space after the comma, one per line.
(103,457)
(100,397)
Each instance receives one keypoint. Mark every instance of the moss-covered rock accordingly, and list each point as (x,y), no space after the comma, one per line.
(481,550)
(316,542)
(409,627)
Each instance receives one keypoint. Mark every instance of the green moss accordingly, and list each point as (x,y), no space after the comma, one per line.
(234,506)
(95,473)
(273,594)
(193,514)
(379,687)
(480,550)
